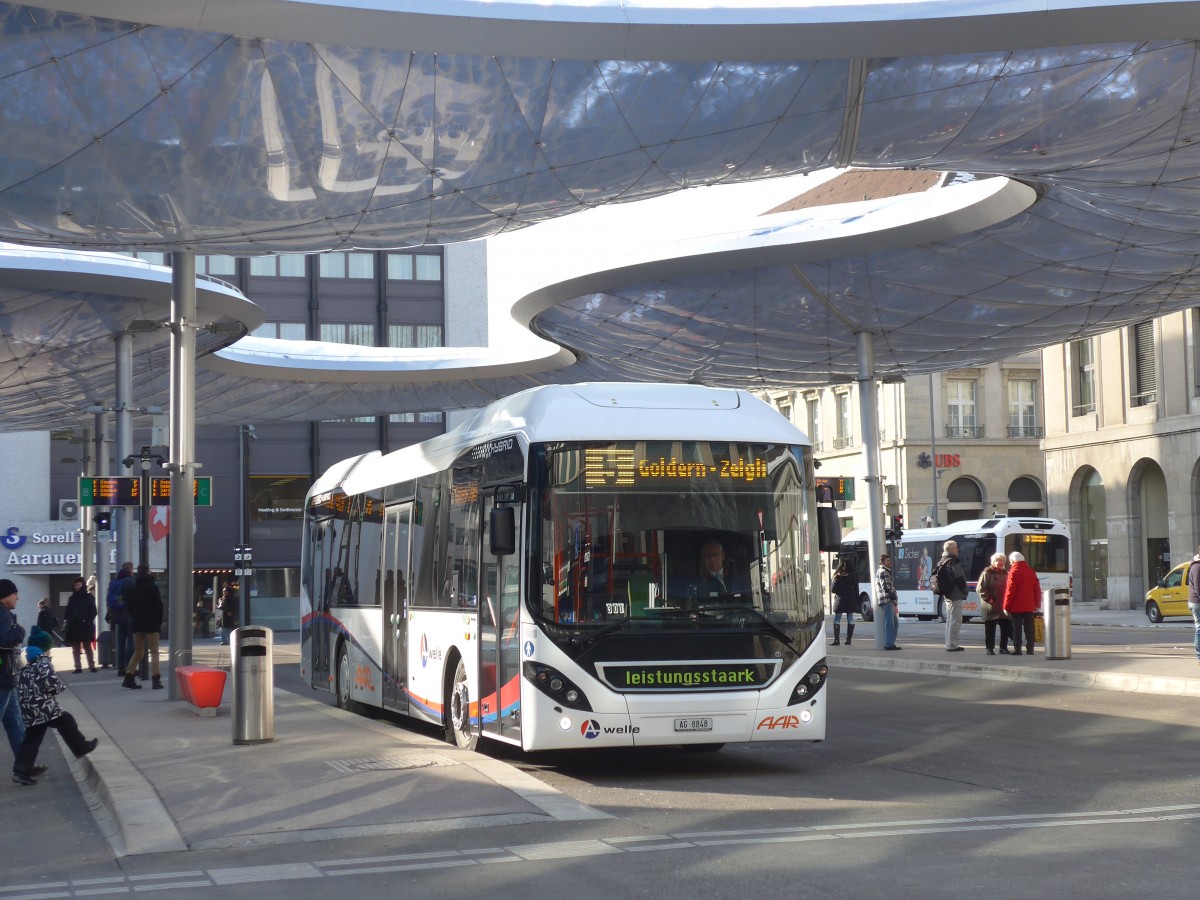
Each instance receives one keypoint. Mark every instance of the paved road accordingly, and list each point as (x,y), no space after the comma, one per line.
(927,787)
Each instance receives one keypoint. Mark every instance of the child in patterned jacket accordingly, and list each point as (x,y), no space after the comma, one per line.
(37,686)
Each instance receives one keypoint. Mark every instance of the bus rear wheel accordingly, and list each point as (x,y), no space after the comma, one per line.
(458,711)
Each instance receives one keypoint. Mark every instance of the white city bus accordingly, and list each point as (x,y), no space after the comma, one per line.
(535,575)
(1045,543)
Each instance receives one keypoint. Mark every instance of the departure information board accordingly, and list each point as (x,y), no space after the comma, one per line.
(122,491)
(160,491)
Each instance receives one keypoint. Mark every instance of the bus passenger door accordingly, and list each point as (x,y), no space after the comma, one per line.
(395,576)
(319,563)
(500,637)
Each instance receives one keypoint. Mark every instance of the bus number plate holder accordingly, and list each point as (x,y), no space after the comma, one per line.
(694,724)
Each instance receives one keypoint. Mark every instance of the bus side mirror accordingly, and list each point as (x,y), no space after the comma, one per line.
(502,531)
(829,530)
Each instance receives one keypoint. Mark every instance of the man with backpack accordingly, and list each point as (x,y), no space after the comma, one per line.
(118,618)
(950,584)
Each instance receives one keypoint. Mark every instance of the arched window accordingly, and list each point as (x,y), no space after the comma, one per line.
(964,500)
(1025,498)
(1094,525)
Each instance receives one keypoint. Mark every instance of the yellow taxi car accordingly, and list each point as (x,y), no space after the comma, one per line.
(1169,598)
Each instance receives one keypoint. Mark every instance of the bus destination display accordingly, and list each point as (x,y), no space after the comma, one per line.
(626,467)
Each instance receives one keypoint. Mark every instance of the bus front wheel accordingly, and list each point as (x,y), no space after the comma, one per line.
(458,704)
(345,681)
(941,610)
(865,609)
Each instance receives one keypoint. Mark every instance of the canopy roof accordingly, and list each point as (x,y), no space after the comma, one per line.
(280,125)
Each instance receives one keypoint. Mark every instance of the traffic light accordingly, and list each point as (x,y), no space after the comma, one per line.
(104,521)
(897,527)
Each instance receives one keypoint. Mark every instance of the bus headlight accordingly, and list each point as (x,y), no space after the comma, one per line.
(810,685)
(554,685)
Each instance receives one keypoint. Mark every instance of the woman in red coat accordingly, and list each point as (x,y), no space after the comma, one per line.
(1022,598)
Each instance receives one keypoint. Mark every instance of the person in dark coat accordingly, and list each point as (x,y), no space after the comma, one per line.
(992,582)
(80,630)
(11,636)
(48,621)
(1022,598)
(845,600)
(144,606)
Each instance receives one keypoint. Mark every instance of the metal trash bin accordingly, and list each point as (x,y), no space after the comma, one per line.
(253,675)
(1056,608)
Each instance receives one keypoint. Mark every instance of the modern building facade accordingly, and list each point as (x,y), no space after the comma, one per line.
(1123,453)
(426,297)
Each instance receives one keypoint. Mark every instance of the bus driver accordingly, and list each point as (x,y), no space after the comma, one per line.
(717,580)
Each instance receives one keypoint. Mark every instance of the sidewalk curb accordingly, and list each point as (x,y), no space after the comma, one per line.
(127,807)
(1104,681)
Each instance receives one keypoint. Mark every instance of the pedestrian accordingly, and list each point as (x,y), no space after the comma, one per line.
(1022,598)
(992,581)
(845,600)
(11,637)
(227,613)
(144,607)
(115,615)
(887,602)
(37,686)
(1193,583)
(48,621)
(80,630)
(950,584)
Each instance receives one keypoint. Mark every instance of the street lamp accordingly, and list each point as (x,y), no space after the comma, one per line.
(144,461)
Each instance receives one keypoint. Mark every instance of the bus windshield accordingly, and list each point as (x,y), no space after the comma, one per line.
(686,534)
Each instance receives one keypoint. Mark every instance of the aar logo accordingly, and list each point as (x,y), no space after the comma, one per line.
(590,729)
(12,540)
(424,651)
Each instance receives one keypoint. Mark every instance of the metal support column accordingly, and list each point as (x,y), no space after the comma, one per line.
(121,515)
(182,465)
(87,528)
(103,541)
(933,469)
(870,438)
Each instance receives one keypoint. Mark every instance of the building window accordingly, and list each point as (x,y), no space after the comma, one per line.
(288,331)
(1145,369)
(414,267)
(961,421)
(785,409)
(285,265)
(218,265)
(1083,377)
(423,418)
(1195,314)
(845,430)
(152,257)
(357,333)
(812,418)
(347,265)
(415,336)
(1022,409)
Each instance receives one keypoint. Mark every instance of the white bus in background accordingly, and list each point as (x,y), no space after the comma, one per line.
(1044,543)
(535,576)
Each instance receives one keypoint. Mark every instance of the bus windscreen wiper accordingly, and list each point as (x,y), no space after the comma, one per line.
(737,607)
